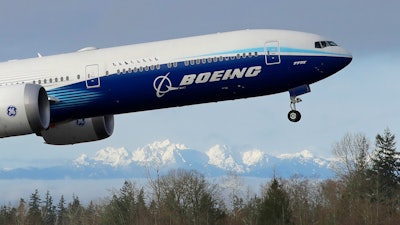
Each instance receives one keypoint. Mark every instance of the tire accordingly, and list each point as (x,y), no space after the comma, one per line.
(294,116)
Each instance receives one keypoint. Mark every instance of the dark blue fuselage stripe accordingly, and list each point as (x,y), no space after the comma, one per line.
(135,91)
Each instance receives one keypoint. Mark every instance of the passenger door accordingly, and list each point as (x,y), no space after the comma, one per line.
(92,76)
(272,52)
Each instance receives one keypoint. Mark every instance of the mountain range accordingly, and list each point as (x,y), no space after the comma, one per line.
(162,156)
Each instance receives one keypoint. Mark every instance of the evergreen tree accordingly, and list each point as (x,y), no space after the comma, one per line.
(74,212)
(61,211)
(275,209)
(386,165)
(121,209)
(49,210)
(92,214)
(141,209)
(34,212)
(8,215)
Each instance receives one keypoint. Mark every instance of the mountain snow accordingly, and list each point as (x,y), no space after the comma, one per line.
(303,154)
(114,157)
(221,157)
(253,157)
(160,153)
(81,161)
(165,155)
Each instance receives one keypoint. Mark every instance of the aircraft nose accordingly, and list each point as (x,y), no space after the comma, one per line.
(345,55)
(341,59)
(344,52)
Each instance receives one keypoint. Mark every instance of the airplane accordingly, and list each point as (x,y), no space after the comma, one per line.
(72,97)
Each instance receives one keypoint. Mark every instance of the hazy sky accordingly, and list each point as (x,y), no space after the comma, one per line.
(361,98)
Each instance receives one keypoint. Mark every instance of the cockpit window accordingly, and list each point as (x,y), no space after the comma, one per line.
(323,44)
(331,43)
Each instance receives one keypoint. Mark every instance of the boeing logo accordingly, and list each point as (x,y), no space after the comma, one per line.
(163,85)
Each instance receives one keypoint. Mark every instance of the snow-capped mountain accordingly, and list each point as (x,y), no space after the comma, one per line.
(162,156)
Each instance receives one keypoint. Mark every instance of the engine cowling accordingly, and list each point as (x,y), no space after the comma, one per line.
(79,131)
(24,109)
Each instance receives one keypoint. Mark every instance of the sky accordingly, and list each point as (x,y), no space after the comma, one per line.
(362,98)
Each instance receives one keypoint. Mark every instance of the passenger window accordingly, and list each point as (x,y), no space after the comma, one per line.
(78,77)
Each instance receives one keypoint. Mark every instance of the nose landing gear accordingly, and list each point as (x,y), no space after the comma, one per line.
(294,115)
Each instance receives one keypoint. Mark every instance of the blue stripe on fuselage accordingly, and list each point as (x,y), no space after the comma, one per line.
(135,91)
(282,50)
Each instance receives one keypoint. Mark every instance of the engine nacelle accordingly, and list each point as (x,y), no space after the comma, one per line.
(24,109)
(79,131)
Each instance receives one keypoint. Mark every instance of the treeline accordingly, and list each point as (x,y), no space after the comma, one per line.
(366,191)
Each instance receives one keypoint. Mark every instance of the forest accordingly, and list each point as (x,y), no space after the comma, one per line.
(366,190)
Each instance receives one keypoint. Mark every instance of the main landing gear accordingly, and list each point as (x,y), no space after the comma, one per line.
(294,115)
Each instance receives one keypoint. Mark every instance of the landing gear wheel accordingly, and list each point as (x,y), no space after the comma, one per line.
(294,116)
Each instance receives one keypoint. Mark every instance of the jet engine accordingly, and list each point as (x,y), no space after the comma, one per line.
(79,131)
(24,109)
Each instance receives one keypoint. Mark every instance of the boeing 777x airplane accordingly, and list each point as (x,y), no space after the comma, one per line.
(71,98)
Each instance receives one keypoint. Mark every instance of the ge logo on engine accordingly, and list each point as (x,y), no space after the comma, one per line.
(80,122)
(12,111)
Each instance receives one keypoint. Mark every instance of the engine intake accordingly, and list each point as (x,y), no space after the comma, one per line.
(24,109)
